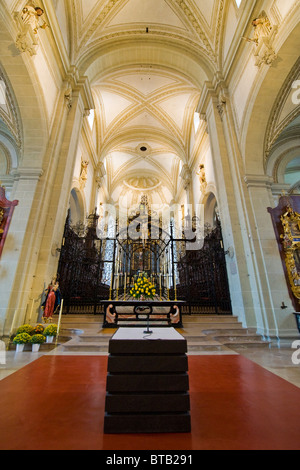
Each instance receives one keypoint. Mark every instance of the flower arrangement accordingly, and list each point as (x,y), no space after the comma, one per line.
(50,330)
(22,338)
(143,287)
(38,330)
(25,329)
(37,339)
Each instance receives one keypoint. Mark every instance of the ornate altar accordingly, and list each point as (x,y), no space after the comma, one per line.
(6,212)
(100,263)
(286,222)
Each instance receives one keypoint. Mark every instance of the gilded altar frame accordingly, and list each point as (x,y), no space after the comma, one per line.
(291,245)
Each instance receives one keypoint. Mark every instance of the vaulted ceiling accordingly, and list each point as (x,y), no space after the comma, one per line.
(146,61)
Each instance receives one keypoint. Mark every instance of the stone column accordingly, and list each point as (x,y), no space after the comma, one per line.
(272,281)
(47,210)
(246,224)
(14,259)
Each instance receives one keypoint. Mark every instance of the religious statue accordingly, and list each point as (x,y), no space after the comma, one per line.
(262,28)
(28,23)
(83,173)
(263,37)
(202,177)
(52,301)
(31,16)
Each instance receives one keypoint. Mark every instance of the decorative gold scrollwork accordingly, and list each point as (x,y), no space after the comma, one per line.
(291,245)
(1,219)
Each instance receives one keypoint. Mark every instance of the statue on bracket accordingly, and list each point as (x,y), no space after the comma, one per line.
(202,177)
(28,22)
(263,38)
(83,173)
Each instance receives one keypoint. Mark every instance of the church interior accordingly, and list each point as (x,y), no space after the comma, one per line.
(150,178)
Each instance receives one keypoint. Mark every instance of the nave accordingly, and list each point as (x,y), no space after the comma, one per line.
(234,393)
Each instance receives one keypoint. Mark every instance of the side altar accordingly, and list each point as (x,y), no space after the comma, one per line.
(133,312)
(147,387)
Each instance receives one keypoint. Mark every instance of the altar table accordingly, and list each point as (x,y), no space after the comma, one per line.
(134,312)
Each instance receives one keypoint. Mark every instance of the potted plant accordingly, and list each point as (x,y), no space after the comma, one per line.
(38,330)
(25,329)
(36,341)
(20,340)
(50,332)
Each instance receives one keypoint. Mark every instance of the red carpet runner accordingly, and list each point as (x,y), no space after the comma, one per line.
(57,402)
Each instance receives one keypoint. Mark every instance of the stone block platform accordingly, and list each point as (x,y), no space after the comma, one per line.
(147,382)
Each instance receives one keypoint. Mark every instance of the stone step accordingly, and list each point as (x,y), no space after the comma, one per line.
(210,326)
(80,317)
(242,344)
(94,338)
(205,346)
(89,346)
(209,319)
(233,337)
(195,338)
(225,331)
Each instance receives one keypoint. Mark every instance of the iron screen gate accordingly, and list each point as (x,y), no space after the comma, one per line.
(87,269)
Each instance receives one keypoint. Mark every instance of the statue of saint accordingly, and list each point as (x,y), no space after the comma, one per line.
(201,174)
(31,17)
(262,28)
(263,38)
(83,173)
(202,177)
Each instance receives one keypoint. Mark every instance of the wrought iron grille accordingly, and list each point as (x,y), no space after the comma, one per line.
(92,269)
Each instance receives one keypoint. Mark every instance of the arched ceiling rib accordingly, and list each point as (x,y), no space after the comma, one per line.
(146,62)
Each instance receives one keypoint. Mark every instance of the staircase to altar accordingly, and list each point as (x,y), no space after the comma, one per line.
(204,333)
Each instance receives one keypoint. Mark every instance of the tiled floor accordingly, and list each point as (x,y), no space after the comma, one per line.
(58,404)
(282,361)
(234,392)
(276,360)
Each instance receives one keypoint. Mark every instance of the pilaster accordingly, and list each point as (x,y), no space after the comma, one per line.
(44,201)
(16,260)
(256,279)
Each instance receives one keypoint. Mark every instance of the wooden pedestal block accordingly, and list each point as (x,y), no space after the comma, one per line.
(147,382)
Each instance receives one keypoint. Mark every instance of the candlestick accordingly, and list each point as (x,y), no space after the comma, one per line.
(168,287)
(111,283)
(125,285)
(160,285)
(117,294)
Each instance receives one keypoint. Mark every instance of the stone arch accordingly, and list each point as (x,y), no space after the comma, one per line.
(24,96)
(77,206)
(280,159)
(102,60)
(210,202)
(272,80)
